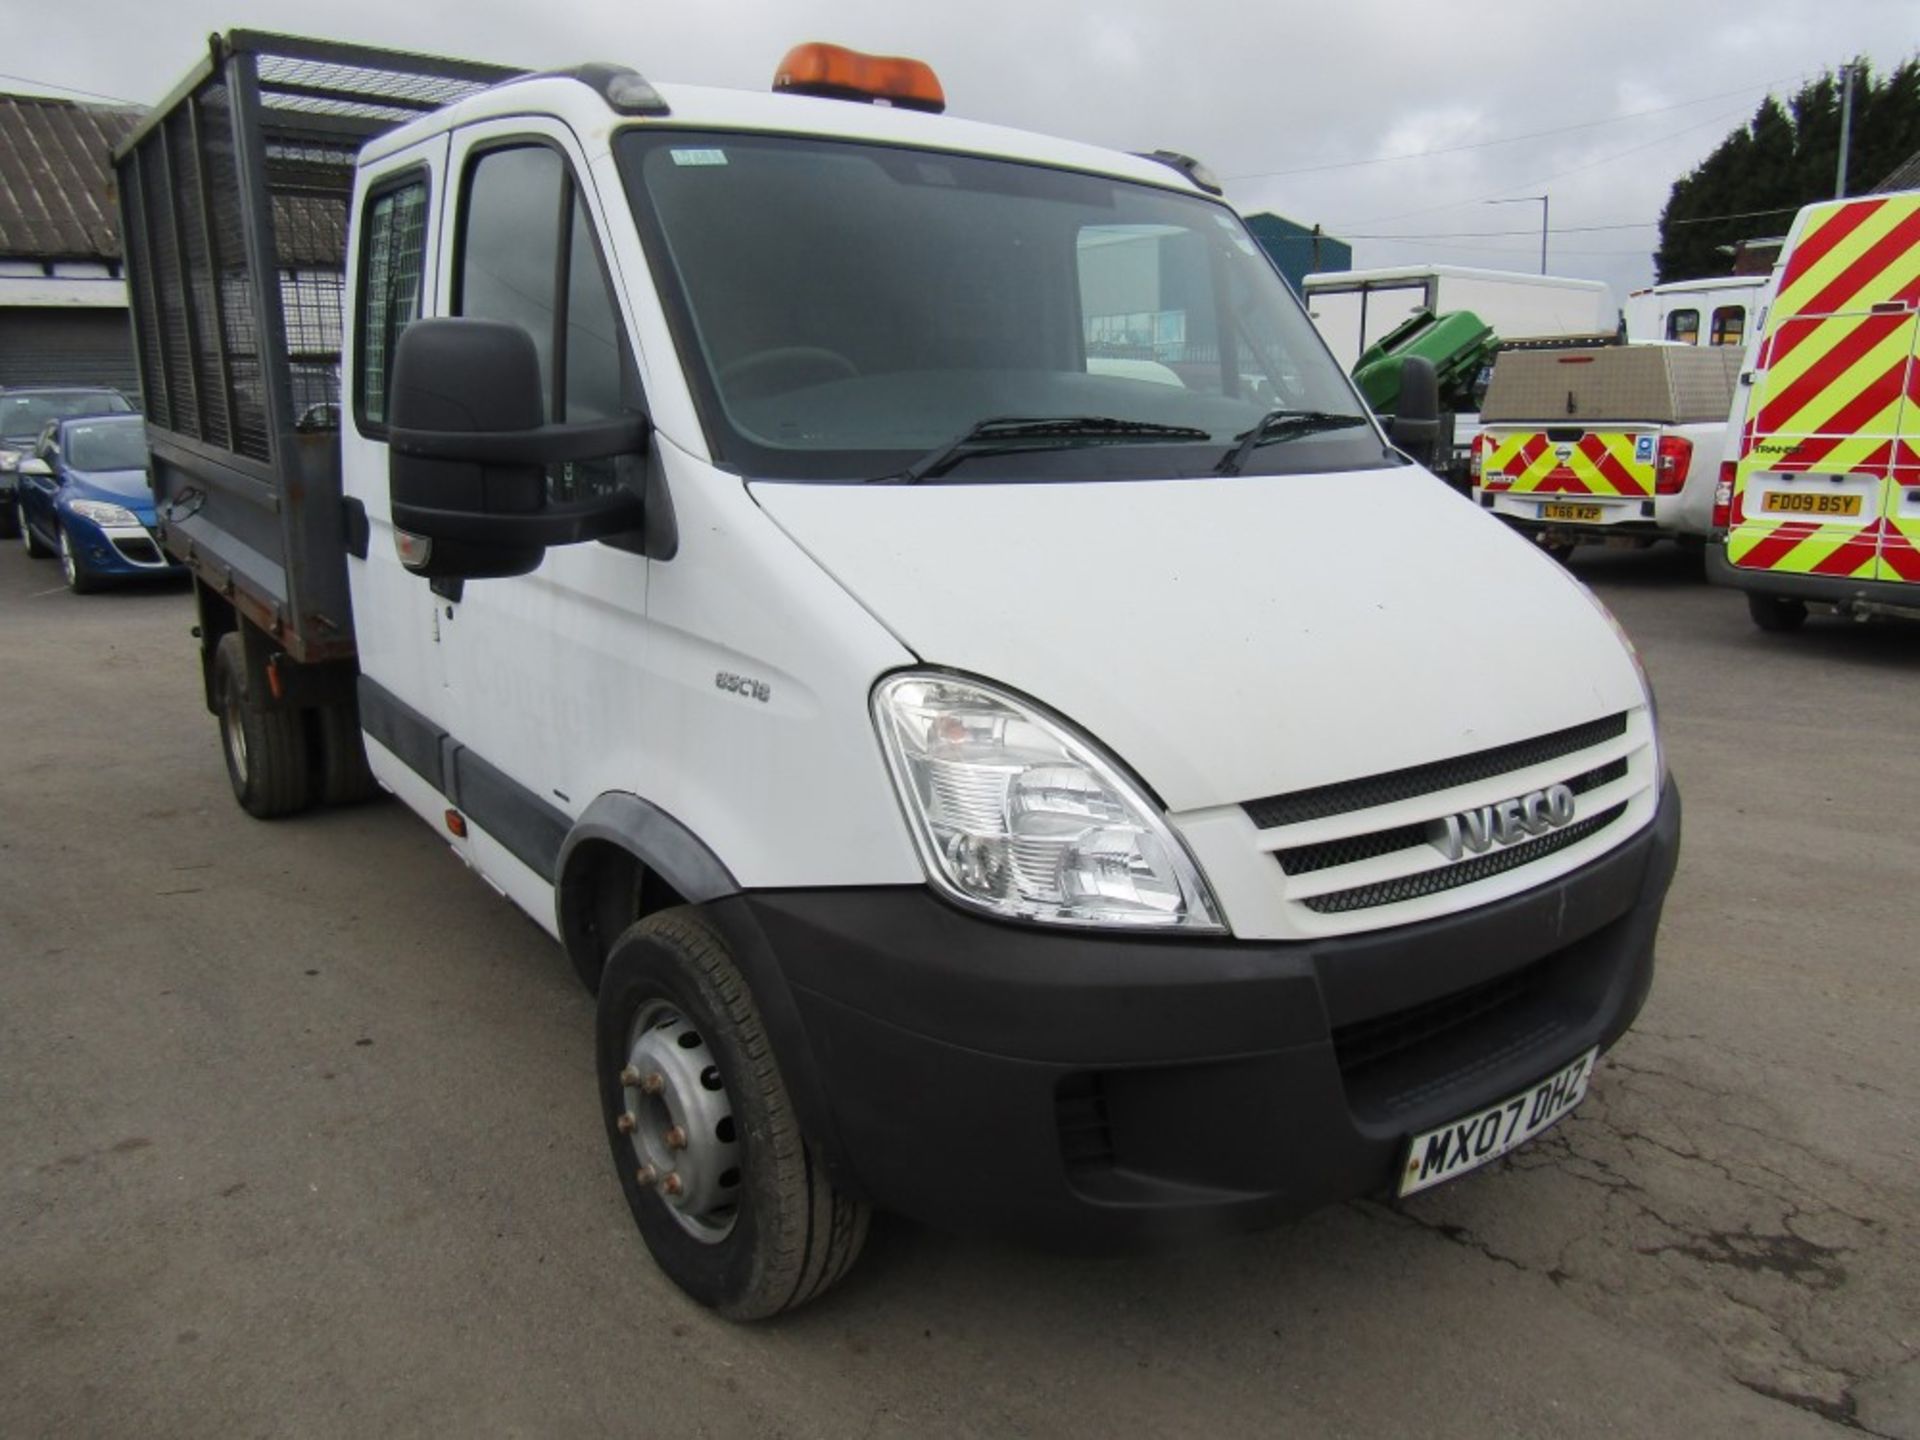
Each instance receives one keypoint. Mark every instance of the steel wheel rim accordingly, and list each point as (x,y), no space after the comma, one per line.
(679,1120)
(236,733)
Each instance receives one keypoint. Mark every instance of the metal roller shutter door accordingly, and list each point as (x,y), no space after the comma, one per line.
(43,346)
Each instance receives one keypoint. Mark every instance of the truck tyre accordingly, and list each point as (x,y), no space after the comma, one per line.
(731,1200)
(265,748)
(341,776)
(1775,613)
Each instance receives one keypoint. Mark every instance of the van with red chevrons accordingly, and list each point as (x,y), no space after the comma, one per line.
(1818,499)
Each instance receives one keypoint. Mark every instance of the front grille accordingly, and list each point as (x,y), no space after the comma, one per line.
(1337,799)
(1351,849)
(140,552)
(1466,872)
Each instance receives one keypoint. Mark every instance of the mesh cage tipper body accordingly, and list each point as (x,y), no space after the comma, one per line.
(234,196)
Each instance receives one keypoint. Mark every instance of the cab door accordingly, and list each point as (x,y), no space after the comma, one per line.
(543,671)
(1817,480)
(393,258)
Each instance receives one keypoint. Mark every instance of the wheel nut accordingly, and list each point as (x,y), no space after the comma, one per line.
(629,1077)
(676,1138)
(646,1174)
(626,1123)
(672,1184)
(653,1084)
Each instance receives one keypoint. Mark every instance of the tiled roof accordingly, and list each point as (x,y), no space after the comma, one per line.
(56,178)
(1907,177)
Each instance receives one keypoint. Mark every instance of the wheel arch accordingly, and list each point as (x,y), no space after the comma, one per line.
(623,858)
(626,858)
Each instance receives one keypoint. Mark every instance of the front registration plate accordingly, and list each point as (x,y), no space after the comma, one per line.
(1587,513)
(1808,502)
(1468,1143)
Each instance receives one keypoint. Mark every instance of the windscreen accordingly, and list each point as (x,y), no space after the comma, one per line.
(845,307)
(107,445)
(24,415)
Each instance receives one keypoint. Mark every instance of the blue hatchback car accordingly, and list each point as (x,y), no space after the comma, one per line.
(84,496)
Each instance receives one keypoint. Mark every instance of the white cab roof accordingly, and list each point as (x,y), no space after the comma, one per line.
(704,108)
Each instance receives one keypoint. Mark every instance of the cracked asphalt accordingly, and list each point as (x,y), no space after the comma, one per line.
(300,1135)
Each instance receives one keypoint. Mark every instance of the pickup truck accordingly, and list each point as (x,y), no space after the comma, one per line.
(1583,443)
(868,584)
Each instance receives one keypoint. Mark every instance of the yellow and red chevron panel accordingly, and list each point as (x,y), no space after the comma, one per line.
(1600,462)
(1853,255)
(1884,546)
(1839,393)
(1900,511)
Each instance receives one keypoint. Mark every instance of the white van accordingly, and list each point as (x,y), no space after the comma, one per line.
(1042,797)
(1716,312)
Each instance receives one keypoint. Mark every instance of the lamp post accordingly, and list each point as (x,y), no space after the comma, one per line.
(1544,208)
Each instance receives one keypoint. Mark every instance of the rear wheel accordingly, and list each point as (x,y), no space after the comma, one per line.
(732,1202)
(1775,613)
(9,519)
(266,748)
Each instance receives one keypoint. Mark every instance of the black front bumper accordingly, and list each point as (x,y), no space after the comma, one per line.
(1091,1091)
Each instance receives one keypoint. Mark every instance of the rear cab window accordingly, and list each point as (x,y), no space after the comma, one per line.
(1684,326)
(393,249)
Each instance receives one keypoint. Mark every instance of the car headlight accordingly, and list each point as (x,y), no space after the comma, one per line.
(1015,814)
(101,512)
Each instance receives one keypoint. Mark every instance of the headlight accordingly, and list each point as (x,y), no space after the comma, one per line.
(100,512)
(1016,815)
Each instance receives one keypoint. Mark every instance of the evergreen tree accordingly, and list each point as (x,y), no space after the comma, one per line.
(1783,158)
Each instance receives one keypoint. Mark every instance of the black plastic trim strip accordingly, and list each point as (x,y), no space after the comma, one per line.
(532,830)
(1364,794)
(416,740)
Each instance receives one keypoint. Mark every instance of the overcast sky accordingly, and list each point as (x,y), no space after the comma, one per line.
(1352,114)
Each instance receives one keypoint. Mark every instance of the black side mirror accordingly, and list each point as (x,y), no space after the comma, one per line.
(468,454)
(1416,420)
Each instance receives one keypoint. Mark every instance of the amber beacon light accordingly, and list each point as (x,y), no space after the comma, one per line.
(837,73)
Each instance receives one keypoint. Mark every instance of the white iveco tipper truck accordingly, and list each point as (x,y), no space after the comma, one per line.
(917,613)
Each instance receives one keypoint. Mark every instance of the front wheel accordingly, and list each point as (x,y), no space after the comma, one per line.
(1775,613)
(732,1202)
(36,550)
(80,580)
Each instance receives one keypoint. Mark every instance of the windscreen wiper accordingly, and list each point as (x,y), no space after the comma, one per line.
(1013,433)
(1278,425)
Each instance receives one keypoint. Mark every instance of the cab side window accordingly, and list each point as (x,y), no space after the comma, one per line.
(393,250)
(1729,325)
(528,256)
(1684,326)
